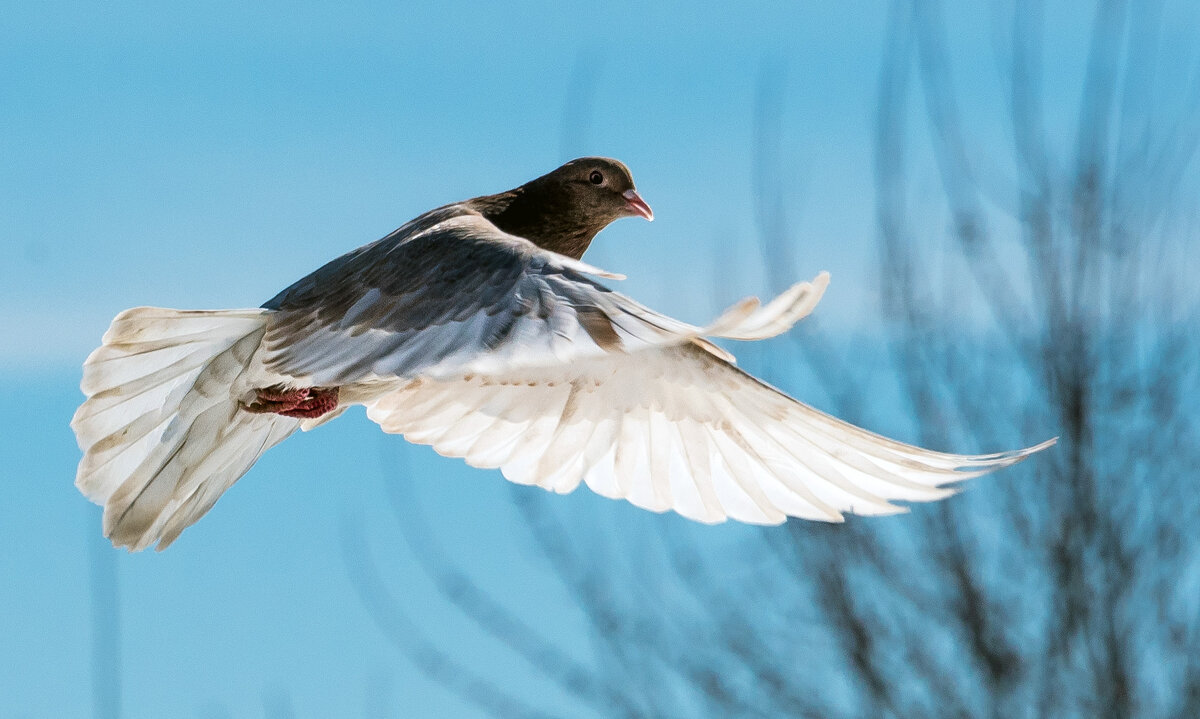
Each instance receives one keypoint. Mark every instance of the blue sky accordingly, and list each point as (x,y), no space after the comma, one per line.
(206,155)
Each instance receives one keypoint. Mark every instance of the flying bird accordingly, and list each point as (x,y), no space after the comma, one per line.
(477,329)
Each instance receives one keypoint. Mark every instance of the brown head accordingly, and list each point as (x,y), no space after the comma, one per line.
(563,210)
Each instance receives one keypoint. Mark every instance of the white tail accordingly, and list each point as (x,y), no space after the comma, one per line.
(161,430)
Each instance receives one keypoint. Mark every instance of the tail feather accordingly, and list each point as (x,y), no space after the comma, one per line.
(161,430)
(240,452)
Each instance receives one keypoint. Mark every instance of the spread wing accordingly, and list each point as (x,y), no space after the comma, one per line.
(513,357)
(450,294)
(673,427)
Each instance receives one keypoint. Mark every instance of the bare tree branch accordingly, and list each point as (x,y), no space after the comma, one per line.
(1068,587)
(106,630)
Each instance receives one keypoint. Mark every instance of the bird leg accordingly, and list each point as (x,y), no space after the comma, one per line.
(318,401)
(301,403)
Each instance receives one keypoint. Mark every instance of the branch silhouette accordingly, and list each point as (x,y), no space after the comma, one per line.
(1052,297)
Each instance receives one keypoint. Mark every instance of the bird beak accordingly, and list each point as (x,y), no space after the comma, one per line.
(637,205)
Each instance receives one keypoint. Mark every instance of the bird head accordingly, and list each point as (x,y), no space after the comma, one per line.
(600,188)
(565,209)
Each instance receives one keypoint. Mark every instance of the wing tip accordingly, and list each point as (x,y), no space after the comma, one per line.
(988,462)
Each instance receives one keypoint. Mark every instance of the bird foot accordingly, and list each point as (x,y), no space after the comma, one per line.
(302,403)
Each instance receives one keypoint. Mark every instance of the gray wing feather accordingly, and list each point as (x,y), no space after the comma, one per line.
(451,294)
(446,290)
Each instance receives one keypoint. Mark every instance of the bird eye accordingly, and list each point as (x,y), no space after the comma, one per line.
(596,178)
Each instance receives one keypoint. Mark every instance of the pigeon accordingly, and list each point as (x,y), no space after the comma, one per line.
(476,328)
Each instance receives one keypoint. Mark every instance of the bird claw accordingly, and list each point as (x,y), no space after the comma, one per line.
(302,403)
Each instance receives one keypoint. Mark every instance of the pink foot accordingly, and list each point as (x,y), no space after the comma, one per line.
(302,403)
(282,395)
(317,403)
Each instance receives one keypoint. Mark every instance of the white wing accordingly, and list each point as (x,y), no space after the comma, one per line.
(674,427)
(511,356)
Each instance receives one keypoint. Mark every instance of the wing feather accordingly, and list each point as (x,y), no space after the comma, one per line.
(492,349)
(676,428)
(450,295)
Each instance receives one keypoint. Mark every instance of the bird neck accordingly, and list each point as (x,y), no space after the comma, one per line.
(542,216)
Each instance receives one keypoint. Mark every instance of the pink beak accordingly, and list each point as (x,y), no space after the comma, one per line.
(637,205)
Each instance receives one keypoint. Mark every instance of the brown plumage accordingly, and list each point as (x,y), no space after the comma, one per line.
(563,210)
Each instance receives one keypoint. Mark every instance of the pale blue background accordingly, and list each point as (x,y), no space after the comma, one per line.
(205,155)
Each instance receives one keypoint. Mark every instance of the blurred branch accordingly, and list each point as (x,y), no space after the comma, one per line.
(1069,587)
(106,629)
(522,638)
(577,110)
(776,239)
(407,636)
(277,704)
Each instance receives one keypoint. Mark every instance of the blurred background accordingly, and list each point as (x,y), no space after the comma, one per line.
(1005,193)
